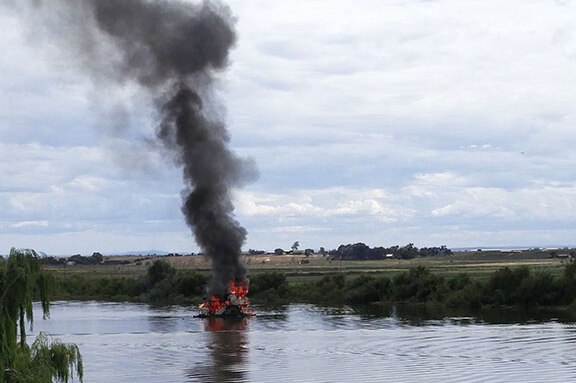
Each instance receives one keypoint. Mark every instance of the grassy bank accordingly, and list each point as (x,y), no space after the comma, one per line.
(524,285)
(477,264)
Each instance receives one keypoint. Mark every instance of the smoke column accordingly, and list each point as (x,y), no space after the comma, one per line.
(172,49)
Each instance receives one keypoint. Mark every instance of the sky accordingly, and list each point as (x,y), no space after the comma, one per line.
(385,122)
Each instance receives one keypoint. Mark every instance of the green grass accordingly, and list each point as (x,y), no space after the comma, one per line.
(464,283)
(477,265)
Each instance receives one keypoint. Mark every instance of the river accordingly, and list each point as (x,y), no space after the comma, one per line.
(125,342)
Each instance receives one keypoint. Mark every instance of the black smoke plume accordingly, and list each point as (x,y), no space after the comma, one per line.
(172,50)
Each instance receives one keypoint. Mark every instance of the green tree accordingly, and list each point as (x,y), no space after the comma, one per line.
(22,280)
(295,246)
(161,281)
(159,271)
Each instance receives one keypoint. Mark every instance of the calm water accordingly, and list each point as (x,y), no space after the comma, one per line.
(304,343)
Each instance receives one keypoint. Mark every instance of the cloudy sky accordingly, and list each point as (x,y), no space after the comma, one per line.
(384,122)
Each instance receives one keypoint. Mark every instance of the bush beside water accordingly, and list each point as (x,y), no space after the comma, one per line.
(163,284)
(519,286)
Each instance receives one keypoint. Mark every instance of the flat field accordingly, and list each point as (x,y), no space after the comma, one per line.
(297,267)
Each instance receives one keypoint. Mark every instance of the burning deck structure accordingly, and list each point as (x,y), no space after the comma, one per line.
(233,304)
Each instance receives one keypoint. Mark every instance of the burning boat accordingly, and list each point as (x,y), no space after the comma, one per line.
(234,304)
(178,55)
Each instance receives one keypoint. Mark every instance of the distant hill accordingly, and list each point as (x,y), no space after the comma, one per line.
(510,248)
(141,252)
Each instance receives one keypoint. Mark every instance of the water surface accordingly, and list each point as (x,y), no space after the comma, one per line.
(124,342)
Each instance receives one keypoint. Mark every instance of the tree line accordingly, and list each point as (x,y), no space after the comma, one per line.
(361,251)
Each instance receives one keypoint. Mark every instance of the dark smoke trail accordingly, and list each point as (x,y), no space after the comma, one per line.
(210,168)
(176,46)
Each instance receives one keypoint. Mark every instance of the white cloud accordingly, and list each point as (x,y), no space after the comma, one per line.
(88,183)
(297,229)
(323,204)
(30,224)
(547,203)
(379,121)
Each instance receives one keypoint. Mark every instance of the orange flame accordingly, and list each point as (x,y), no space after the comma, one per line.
(236,296)
(239,289)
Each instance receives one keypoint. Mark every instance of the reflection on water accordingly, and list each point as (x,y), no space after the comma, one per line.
(161,320)
(122,342)
(228,352)
(423,314)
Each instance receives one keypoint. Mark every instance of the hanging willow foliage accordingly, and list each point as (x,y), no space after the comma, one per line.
(22,281)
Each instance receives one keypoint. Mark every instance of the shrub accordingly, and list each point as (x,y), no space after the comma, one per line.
(159,271)
(270,280)
(190,284)
(366,289)
(418,284)
(504,283)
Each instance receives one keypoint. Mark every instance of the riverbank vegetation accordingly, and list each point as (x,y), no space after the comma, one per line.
(519,286)
(162,284)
